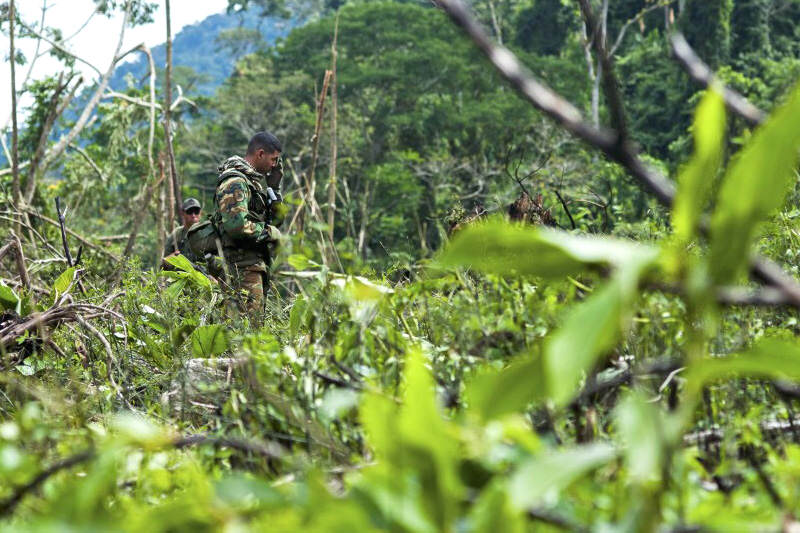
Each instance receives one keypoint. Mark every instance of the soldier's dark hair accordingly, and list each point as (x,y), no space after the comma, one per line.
(264,140)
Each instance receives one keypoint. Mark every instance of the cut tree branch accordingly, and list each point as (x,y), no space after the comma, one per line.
(702,74)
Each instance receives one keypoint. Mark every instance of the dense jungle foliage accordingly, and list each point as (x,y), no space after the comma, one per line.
(603,362)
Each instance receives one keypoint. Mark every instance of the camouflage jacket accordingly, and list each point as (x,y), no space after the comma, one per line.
(241,207)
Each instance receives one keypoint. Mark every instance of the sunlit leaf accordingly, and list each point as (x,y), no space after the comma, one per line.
(755,184)
(8,298)
(208,341)
(502,248)
(493,513)
(62,283)
(696,179)
(641,430)
(769,358)
(591,329)
(554,471)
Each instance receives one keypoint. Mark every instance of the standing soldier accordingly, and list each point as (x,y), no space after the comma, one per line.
(177,243)
(247,207)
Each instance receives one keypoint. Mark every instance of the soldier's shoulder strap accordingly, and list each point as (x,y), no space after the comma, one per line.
(230,173)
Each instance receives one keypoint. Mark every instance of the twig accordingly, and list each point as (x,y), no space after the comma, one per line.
(81,238)
(566,209)
(10,504)
(268,450)
(63,232)
(701,73)
(19,257)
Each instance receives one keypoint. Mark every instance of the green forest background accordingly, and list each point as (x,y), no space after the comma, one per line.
(606,365)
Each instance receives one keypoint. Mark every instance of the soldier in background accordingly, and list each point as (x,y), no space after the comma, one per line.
(248,207)
(177,243)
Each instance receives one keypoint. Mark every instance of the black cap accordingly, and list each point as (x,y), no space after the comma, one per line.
(190,203)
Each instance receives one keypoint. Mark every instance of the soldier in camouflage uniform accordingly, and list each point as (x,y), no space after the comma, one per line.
(177,242)
(248,208)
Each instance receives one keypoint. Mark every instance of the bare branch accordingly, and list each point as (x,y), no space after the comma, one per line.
(636,18)
(60,48)
(82,121)
(89,160)
(701,73)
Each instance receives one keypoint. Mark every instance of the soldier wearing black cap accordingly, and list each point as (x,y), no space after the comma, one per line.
(177,242)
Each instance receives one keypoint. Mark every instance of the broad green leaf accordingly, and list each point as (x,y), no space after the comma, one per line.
(641,429)
(180,262)
(426,445)
(494,393)
(755,184)
(503,248)
(175,289)
(555,471)
(187,272)
(8,298)
(378,415)
(25,370)
(593,328)
(63,281)
(140,430)
(695,180)
(297,315)
(298,261)
(769,358)
(208,341)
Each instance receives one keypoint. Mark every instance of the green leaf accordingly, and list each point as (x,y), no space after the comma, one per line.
(769,358)
(501,248)
(179,335)
(297,315)
(554,471)
(756,184)
(337,402)
(298,261)
(63,281)
(8,298)
(696,179)
(25,370)
(180,262)
(191,273)
(208,341)
(641,428)
(492,394)
(593,328)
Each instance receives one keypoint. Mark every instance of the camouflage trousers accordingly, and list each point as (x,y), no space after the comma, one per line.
(249,283)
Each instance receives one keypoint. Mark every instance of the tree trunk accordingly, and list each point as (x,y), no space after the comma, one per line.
(176,190)
(332,180)
(17,191)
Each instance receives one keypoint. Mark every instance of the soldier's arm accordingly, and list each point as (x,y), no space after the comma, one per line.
(234,196)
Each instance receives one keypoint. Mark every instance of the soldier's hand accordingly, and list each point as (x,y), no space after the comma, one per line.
(275,175)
